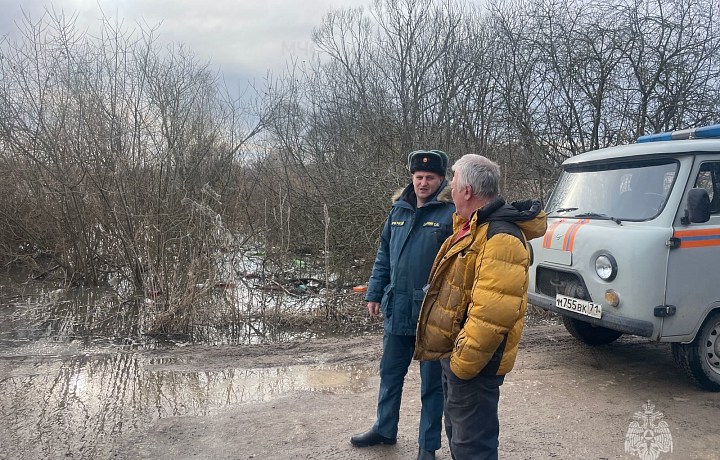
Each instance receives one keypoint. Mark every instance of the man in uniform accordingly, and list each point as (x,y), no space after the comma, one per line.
(419,222)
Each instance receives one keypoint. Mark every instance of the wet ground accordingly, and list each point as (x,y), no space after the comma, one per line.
(302,400)
(82,406)
(564,400)
(72,388)
(79,373)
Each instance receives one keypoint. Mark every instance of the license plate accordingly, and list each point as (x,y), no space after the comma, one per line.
(578,306)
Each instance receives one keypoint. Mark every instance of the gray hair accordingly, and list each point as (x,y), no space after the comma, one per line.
(480,173)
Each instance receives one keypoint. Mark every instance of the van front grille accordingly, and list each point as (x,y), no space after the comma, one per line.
(552,282)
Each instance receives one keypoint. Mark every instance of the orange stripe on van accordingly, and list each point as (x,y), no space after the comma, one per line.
(574,232)
(570,235)
(701,238)
(690,233)
(548,235)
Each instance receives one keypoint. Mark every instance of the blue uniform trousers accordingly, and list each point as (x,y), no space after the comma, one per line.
(471,414)
(397,356)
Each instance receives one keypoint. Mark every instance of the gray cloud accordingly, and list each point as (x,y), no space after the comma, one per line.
(243,38)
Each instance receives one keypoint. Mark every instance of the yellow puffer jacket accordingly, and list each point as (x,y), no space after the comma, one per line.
(474,309)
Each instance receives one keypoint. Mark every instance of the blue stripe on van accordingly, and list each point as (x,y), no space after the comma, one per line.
(697,238)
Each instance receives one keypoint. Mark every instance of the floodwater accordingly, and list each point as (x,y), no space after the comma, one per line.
(77,405)
(76,372)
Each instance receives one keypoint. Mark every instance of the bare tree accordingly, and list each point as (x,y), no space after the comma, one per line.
(126,157)
(121,154)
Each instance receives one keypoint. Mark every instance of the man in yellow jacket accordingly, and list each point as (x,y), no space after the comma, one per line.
(473,314)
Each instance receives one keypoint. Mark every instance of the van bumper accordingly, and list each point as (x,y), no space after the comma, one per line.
(610,321)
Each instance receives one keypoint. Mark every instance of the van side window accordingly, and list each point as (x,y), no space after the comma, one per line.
(709,179)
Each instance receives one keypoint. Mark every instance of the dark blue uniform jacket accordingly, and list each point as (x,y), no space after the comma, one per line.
(410,240)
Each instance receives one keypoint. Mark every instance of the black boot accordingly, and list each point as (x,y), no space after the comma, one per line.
(370,438)
(426,454)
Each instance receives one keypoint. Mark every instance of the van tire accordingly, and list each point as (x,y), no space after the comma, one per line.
(589,334)
(693,358)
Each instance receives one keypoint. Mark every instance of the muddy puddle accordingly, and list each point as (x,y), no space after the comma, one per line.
(78,372)
(79,405)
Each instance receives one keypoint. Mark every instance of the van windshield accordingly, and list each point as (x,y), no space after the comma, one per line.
(625,191)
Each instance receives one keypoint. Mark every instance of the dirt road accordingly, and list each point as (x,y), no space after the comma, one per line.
(303,400)
(564,400)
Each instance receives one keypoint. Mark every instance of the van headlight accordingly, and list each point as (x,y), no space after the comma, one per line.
(606,267)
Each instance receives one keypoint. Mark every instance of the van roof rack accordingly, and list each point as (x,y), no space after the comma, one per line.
(705,132)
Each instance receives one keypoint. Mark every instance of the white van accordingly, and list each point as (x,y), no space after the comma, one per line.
(633,247)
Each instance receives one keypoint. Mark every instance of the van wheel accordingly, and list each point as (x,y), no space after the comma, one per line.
(589,334)
(700,359)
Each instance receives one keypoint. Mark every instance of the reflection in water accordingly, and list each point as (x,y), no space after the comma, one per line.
(78,406)
(73,379)
(30,315)
(33,315)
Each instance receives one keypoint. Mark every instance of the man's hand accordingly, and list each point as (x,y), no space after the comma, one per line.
(374,309)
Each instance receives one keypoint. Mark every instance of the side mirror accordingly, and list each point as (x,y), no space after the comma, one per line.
(698,207)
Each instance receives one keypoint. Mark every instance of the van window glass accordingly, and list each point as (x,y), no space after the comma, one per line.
(709,178)
(625,190)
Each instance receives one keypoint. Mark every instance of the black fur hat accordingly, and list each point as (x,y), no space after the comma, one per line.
(428,160)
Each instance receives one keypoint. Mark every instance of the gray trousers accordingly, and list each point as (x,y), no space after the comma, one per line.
(471,414)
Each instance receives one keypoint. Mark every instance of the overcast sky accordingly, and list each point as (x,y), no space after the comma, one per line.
(243,38)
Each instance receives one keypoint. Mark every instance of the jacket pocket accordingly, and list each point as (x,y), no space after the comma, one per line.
(441,234)
(459,344)
(386,302)
(459,318)
(418,296)
(460,268)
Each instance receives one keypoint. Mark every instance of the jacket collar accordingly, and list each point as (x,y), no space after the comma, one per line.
(405,198)
(527,214)
(477,218)
(482,214)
